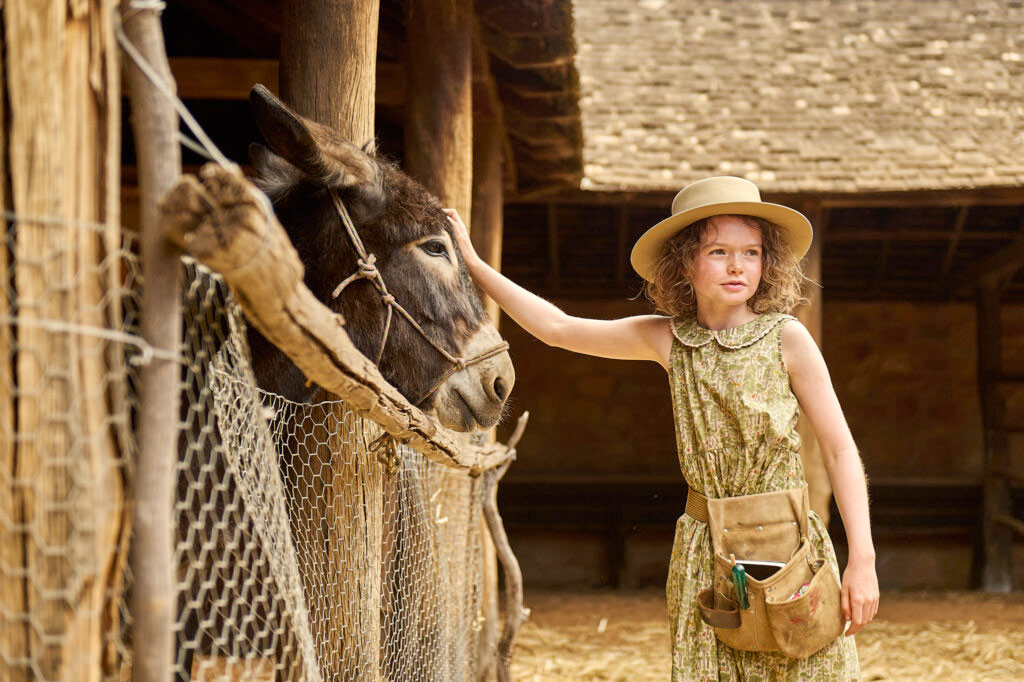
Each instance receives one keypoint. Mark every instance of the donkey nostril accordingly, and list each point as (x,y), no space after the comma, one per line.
(500,389)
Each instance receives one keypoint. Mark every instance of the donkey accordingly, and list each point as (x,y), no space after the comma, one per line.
(398,221)
(404,226)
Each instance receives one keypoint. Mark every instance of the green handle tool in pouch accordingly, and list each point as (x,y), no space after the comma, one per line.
(739,581)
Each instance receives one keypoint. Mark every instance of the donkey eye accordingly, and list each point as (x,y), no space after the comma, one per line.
(435,247)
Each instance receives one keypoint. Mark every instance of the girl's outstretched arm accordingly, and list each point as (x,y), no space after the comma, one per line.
(813,388)
(643,337)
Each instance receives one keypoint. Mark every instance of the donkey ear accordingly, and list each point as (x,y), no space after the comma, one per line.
(276,175)
(317,151)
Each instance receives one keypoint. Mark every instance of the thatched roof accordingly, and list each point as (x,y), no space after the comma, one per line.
(802,95)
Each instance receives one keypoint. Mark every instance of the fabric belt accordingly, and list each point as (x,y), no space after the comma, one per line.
(696,505)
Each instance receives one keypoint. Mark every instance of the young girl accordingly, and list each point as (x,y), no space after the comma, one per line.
(725,267)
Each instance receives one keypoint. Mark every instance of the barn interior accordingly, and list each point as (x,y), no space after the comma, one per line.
(910,170)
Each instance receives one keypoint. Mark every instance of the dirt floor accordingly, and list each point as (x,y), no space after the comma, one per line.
(623,636)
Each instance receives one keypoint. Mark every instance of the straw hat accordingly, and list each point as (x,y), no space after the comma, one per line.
(717,196)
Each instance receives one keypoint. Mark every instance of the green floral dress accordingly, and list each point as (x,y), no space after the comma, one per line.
(736,432)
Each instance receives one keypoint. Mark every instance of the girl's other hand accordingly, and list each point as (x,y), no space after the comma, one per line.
(859,595)
(461,234)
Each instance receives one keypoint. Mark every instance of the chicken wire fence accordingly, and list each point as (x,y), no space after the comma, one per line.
(307,547)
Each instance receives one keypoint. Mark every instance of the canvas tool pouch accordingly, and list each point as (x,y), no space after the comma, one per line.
(770,527)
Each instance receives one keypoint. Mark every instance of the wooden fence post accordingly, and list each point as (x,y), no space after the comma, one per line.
(155,127)
(328,74)
(439,154)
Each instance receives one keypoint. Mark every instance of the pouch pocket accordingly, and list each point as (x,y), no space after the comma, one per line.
(806,624)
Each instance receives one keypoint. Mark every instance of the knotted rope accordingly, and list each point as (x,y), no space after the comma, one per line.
(367,269)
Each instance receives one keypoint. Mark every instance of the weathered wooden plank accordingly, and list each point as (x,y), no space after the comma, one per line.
(63,481)
(13,631)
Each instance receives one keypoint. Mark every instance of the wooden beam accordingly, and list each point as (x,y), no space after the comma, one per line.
(219,78)
(662,197)
(999,266)
(997,541)
(916,235)
(954,241)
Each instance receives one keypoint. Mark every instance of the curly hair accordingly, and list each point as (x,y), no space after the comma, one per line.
(670,288)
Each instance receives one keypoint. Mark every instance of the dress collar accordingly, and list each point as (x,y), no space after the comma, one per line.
(692,334)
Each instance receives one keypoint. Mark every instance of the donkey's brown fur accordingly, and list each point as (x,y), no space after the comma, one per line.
(392,213)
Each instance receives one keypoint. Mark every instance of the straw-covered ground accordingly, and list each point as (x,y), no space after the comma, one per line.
(621,636)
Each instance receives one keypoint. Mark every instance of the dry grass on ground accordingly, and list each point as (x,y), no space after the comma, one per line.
(623,636)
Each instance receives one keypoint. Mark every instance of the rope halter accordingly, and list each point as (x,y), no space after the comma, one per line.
(367,269)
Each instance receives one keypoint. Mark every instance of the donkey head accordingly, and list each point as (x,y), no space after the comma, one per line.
(403,226)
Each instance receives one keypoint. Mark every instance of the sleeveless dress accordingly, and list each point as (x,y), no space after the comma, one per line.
(736,419)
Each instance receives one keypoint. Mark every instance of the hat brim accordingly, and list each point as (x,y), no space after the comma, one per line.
(651,245)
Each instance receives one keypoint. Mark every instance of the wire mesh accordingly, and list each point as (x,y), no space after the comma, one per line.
(66,398)
(304,550)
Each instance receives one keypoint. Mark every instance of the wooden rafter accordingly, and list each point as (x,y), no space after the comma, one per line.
(916,236)
(993,196)
(954,241)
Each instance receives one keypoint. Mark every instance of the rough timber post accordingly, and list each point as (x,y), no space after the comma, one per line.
(61,479)
(328,74)
(818,486)
(439,153)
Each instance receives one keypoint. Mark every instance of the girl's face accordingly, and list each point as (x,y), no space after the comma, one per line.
(727,269)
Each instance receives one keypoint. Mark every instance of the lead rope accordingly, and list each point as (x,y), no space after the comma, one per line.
(367,269)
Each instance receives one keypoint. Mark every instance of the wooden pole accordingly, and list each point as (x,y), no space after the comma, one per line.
(328,63)
(488,209)
(488,199)
(62,502)
(439,154)
(819,487)
(997,538)
(328,74)
(439,107)
(515,613)
(155,126)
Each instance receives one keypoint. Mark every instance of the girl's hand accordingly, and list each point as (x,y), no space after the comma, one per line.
(859,594)
(461,234)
